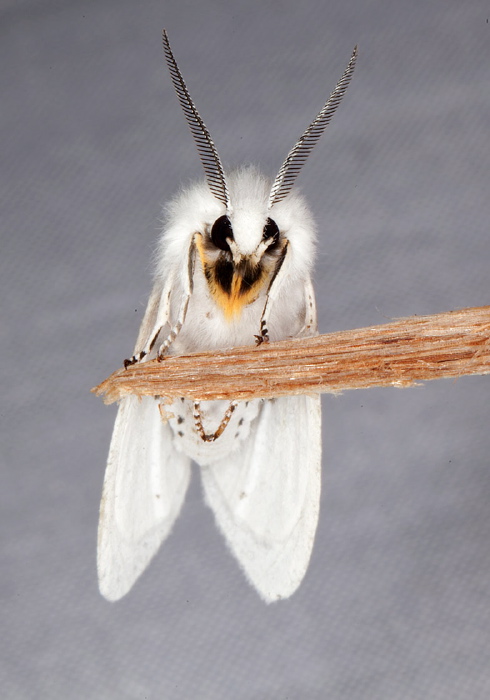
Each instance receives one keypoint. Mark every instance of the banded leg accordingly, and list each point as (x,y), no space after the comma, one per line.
(211,437)
(156,316)
(158,313)
(272,294)
(174,331)
(188,288)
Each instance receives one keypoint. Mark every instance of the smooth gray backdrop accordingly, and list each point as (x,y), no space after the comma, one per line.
(395,605)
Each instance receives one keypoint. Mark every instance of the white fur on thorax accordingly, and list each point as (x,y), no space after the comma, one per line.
(195,210)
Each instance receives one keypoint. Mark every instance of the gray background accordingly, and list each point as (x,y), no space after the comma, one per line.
(396,603)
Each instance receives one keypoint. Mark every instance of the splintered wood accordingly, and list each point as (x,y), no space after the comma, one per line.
(398,354)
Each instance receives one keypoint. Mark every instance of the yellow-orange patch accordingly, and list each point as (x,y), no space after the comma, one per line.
(231,301)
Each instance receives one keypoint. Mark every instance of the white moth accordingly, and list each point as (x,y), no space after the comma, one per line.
(233,268)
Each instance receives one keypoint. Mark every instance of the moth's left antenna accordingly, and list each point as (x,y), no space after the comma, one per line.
(208,154)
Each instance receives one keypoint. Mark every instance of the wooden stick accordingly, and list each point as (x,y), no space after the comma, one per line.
(395,354)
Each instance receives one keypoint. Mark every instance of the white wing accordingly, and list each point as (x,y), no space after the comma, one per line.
(266,496)
(144,487)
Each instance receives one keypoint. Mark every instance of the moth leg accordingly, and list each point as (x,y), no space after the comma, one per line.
(155,318)
(211,437)
(310,326)
(188,288)
(158,313)
(174,331)
(272,294)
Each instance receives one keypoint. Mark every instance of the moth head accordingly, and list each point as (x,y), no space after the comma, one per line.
(242,248)
(239,252)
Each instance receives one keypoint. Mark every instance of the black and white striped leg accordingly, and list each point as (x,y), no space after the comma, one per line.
(174,331)
(264,333)
(159,307)
(134,359)
(211,437)
(272,294)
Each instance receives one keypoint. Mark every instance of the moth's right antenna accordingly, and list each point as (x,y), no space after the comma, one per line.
(215,175)
(302,148)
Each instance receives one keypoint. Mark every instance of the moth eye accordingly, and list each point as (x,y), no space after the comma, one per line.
(271,232)
(221,231)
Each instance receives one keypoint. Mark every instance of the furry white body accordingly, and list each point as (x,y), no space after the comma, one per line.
(195,210)
(262,475)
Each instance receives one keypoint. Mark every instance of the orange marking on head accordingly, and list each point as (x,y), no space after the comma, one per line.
(233,300)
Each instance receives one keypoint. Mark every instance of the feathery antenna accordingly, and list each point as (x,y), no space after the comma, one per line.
(301,150)
(208,154)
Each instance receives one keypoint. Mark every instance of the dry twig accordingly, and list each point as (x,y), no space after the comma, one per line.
(395,354)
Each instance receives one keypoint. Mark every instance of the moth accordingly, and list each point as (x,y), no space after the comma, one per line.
(233,267)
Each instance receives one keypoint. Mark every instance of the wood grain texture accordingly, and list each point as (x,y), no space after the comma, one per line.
(409,350)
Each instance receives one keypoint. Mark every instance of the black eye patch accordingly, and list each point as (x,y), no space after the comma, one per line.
(220,231)
(271,232)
